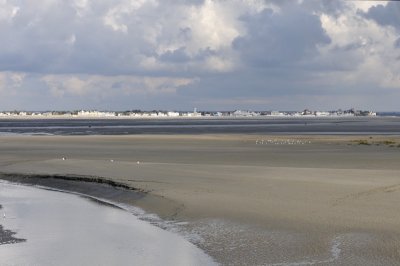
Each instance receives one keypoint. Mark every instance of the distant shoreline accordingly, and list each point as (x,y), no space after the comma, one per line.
(266,117)
(162,114)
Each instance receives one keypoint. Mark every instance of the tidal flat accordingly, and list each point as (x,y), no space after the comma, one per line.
(243,199)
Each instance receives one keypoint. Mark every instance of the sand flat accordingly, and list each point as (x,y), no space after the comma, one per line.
(290,191)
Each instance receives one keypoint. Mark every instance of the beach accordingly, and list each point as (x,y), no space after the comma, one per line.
(250,199)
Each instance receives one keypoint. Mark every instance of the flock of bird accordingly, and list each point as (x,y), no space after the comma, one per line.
(281,142)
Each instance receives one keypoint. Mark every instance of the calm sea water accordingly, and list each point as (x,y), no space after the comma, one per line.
(343,125)
(65,229)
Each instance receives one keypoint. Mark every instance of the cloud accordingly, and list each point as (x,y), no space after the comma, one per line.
(10,81)
(8,11)
(284,38)
(105,86)
(116,15)
(122,37)
(208,53)
(365,42)
(397,43)
(385,15)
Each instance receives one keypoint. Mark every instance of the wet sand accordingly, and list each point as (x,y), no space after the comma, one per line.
(250,199)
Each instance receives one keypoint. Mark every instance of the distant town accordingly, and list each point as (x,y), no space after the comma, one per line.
(183,114)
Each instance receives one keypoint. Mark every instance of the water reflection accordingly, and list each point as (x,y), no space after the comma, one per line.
(64,229)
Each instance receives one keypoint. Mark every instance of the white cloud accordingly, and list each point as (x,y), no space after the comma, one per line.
(81,6)
(213,25)
(10,81)
(8,11)
(362,49)
(365,5)
(219,64)
(115,16)
(95,85)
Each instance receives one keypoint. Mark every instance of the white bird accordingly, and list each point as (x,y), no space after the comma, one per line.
(63,158)
(138,162)
(112,160)
(4,215)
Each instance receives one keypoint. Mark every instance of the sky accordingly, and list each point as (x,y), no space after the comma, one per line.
(204,54)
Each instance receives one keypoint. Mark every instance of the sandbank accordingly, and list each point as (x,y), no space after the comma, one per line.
(251,199)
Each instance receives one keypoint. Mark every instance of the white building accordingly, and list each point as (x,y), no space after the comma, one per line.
(172,114)
(320,113)
(84,113)
(277,113)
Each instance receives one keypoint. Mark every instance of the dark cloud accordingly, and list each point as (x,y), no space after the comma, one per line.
(388,15)
(180,55)
(397,43)
(176,56)
(348,47)
(334,8)
(319,6)
(284,38)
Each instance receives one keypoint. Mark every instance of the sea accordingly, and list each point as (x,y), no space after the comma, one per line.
(385,124)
